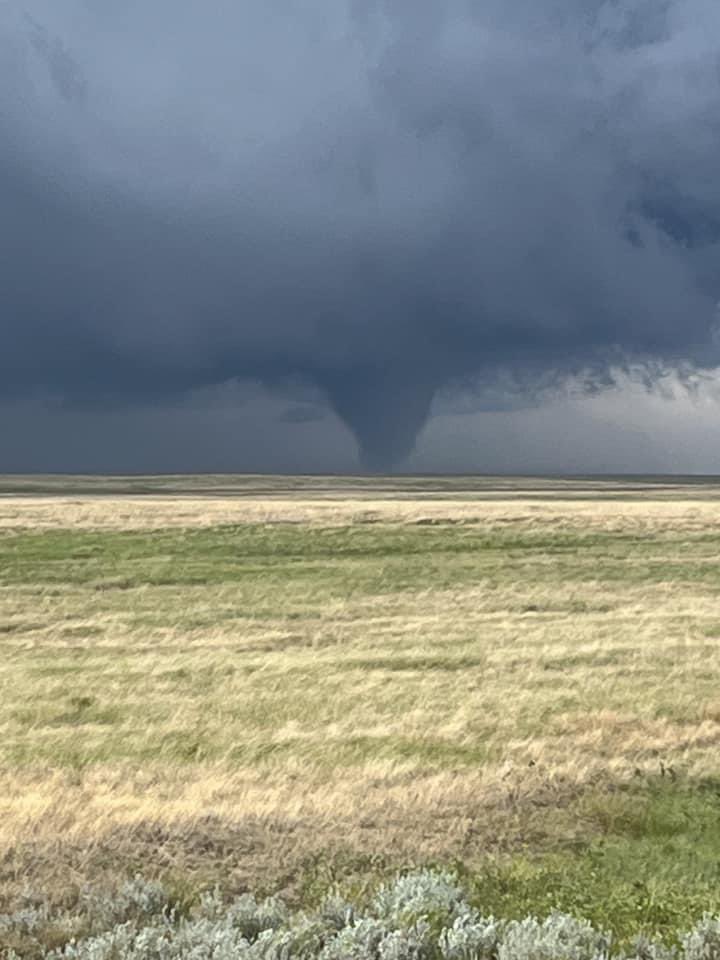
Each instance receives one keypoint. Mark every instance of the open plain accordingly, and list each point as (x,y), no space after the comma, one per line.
(286,684)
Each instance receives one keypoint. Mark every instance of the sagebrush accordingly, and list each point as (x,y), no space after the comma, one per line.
(419,916)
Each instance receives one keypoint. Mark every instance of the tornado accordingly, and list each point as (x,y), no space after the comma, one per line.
(385,409)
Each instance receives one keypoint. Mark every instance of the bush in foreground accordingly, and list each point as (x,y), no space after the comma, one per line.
(420,916)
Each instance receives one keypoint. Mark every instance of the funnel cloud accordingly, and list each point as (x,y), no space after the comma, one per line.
(363,205)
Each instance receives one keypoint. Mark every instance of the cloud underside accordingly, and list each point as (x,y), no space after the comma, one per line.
(364,204)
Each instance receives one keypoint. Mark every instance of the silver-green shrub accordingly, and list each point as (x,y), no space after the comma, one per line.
(185,940)
(703,941)
(356,941)
(422,916)
(302,940)
(337,912)
(26,920)
(645,949)
(138,899)
(246,914)
(373,938)
(425,895)
(471,938)
(559,937)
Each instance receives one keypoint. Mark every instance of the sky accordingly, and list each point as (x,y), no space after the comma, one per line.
(331,235)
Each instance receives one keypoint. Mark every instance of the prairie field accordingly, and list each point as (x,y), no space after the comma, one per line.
(291,684)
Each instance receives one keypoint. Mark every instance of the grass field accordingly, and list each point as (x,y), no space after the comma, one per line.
(284,684)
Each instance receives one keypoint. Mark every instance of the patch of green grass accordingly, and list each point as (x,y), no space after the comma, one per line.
(383,558)
(651,864)
(317,562)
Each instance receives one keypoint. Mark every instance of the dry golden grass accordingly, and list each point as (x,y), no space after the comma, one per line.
(329,690)
(156,512)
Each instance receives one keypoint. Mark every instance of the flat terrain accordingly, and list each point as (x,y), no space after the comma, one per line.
(283,683)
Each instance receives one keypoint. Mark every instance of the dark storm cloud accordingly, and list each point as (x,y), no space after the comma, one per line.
(302,413)
(376,199)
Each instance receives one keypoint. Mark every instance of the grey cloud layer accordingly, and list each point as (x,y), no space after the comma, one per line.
(377,198)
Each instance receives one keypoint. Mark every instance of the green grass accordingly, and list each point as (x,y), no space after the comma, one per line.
(375,559)
(655,866)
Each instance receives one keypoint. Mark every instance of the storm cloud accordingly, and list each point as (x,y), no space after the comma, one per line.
(359,203)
